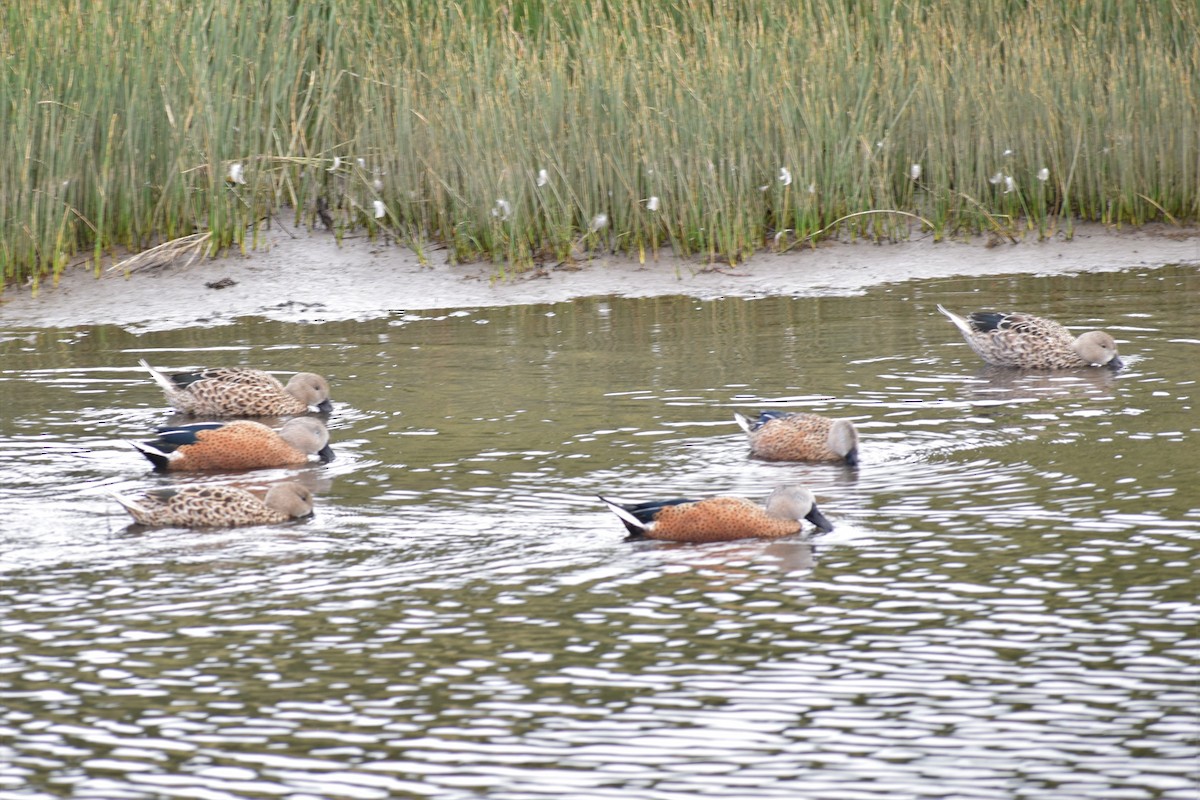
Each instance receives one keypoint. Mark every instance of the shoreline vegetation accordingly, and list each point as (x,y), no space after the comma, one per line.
(538,131)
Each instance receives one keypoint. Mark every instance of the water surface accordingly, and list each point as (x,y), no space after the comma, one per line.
(1006,609)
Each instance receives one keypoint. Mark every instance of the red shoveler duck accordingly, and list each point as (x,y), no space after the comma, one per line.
(242,392)
(241,444)
(218,506)
(800,436)
(722,519)
(1014,339)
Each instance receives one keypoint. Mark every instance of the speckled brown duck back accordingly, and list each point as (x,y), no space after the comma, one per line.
(238,445)
(1025,341)
(800,436)
(218,506)
(722,519)
(241,392)
(719,519)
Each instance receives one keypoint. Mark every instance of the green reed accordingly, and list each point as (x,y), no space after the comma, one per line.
(542,131)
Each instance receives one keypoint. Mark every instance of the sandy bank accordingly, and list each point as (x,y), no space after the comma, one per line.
(304,277)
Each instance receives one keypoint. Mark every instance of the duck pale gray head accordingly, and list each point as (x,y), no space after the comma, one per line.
(308,435)
(843,440)
(1098,347)
(311,389)
(290,498)
(793,501)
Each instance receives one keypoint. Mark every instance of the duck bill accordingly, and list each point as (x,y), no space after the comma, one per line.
(1116,364)
(325,454)
(325,406)
(852,458)
(817,518)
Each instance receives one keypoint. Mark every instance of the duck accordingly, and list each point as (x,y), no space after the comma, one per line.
(218,506)
(722,519)
(800,436)
(1016,339)
(241,392)
(237,445)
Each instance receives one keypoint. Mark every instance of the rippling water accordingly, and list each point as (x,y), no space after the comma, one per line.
(1006,609)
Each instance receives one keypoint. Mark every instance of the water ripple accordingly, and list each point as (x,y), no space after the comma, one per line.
(1006,607)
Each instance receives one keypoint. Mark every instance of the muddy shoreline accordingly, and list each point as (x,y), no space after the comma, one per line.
(302,277)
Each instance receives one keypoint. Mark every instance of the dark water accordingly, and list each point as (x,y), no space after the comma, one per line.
(1006,609)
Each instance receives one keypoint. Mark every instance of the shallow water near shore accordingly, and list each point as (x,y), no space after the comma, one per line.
(1007,606)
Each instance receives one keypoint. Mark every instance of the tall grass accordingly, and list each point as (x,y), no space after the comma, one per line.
(541,130)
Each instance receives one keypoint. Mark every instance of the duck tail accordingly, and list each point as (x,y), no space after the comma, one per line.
(632,524)
(164,382)
(127,503)
(958,321)
(158,458)
(132,508)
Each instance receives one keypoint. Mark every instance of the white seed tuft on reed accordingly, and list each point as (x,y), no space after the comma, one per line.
(460,115)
